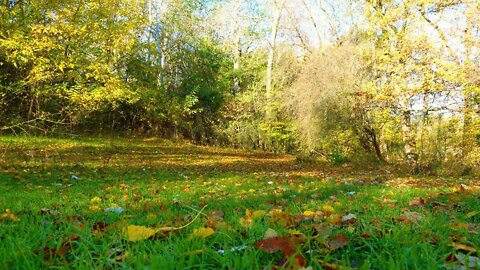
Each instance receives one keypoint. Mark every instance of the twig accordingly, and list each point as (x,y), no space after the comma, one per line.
(193,209)
(193,220)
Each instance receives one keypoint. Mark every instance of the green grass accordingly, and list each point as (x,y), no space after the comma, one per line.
(162,183)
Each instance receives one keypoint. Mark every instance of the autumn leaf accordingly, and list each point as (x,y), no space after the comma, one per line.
(460,246)
(309,213)
(335,219)
(258,214)
(270,233)
(96,200)
(337,242)
(409,217)
(8,215)
(135,233)
(202,232)
(285,245)
(328,210)
(297,236)
(473,213)
(350,218)
(64,248)
(417,202)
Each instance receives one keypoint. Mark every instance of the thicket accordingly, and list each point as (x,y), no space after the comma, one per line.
(394,85)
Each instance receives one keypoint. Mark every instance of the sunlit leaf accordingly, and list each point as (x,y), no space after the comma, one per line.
(203,232)
(135,233)
(270,233)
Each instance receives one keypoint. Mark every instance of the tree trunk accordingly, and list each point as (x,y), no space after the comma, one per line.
(271,53)
(410,145)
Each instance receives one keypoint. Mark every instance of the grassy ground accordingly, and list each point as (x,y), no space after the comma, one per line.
(334,217)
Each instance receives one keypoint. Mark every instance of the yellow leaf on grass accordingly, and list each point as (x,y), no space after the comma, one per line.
(137,233)
(270,233)
(94,208)
(258,213)
(309,213)
(245,222)
(335,219)
(474,213)
(297,236)
(96,200)
(460,246)
(203,232)
(328,209)
(8,215)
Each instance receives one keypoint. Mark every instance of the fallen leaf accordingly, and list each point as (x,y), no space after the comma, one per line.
(258,213)
(409,217)
(473,213)
(350,218)
(8,215)
(135,233)
(335,219)
(297,236)
(202,232)
(417,202)
(460,246)
(309,213)
(64,248)
(96,200)
(270,233)
(283,244)
(327,209)
(337,242)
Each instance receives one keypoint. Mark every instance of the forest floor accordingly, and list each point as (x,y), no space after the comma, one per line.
(155,204)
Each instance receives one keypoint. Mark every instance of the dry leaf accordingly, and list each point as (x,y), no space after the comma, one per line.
(335,219)
(297,236)
(8,215)
(137,233)
(270,233)
(417,202)
(203,232)
(409,217)
(337,242)
(460,246)
(473,213)
(258,214)
(309,213)
(283,244)
(327,209)
(96,200)
(350,218)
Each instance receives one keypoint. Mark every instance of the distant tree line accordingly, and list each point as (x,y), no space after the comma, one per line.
(349,80)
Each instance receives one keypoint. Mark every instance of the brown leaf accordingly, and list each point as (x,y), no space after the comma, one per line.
(283,244)
(417,202)
(338,241)
(409,217)
(99,227)
(65,247)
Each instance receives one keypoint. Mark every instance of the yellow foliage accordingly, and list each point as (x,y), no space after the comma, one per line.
(96,200)
(137,233)
(8,215)
(328,209)
(258,213)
